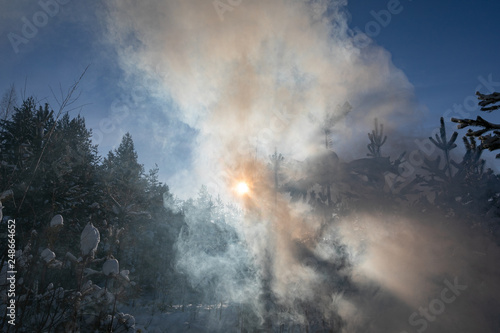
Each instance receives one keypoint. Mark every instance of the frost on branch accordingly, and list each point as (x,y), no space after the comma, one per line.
(89,240)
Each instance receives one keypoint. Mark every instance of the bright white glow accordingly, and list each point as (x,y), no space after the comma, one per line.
(242,188)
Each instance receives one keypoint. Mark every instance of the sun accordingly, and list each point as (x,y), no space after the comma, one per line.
(242,188)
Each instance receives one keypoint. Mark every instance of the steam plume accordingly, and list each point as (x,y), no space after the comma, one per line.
(267,76)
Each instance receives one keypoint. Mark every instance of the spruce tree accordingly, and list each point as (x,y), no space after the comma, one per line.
(489,134)
(123,177)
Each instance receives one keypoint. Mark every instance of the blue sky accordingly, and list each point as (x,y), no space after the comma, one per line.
(442,46)
(447,49)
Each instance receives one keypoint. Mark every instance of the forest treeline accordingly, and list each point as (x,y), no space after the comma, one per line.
(50,169)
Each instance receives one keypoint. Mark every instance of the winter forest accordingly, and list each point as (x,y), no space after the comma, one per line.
(100,240)
(270,169)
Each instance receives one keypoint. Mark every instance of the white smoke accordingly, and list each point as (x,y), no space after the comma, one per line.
(266,77)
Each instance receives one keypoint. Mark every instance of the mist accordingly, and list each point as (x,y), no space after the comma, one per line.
(258,77)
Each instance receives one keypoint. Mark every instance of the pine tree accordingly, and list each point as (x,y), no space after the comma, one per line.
(490,141)
(70,174)
(126,205)
(123,178)
(276,160)
(22,142)
(331,119)
(49,174)
(377,140)
(18,140)
(8,103)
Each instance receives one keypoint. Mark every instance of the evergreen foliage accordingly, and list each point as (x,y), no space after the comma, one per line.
(49,166)
(491,140)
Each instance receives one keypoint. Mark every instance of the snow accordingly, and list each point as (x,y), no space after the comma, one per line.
(110,267)
(121,322)
(87,285)
(71,257)
(47,255)
(89,239)
(6,194)
(56,221)
(89,271)
(124,273)
(188,318)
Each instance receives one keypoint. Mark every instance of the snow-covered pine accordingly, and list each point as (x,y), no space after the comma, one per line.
(124,273)
(121,322)
(90,271)
(48,255)
(110,267)
(56,221)
(89,240)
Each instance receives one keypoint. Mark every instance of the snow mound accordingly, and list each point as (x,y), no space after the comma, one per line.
(56,220)
(110,267)
(89,239)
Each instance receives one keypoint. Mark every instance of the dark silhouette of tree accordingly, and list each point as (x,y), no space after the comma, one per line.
(66,162)
(490,99)
(333,117)
(123,178)
(440,178)
(22,140)
(489,134)
(445,145)
(368,175)
(72,171)
(377,140)
(8,102)
(276,160)
(463,187)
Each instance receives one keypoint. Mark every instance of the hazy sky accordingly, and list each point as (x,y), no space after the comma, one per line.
(446,50)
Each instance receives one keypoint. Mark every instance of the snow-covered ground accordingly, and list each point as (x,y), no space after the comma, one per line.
(155,318)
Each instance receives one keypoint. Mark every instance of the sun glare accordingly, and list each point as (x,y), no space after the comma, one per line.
(242,188)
